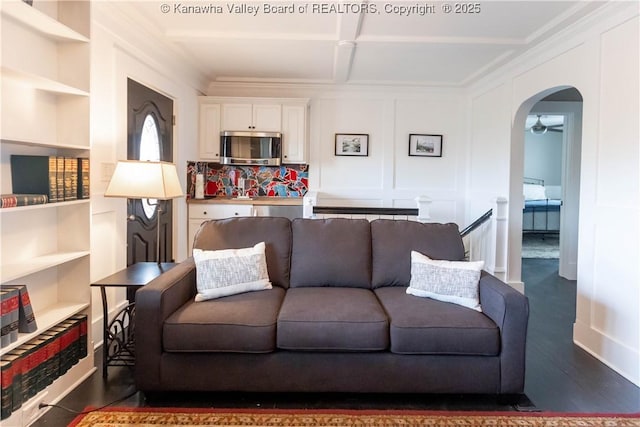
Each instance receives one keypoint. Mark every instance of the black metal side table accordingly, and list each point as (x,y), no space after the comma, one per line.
(119,337)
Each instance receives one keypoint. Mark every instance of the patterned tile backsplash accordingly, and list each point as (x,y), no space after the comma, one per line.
(223,180)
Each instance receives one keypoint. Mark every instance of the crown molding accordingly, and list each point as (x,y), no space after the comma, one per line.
(607,16)
(136,35)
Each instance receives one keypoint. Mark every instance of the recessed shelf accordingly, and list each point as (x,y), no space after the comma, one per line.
(38,21)
(16,209)
(30,143)
(16,270)
(42,83)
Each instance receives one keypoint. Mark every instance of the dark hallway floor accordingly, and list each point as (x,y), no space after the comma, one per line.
(560,376)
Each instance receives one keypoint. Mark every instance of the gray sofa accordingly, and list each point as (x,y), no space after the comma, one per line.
(338,318)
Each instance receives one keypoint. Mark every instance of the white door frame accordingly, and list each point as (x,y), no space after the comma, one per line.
(516,162)
(571,152)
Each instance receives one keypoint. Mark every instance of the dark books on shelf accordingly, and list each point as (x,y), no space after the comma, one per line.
(83,178)
(70,178)
(25,317)
(35,175)
(13,200)
(10,305)
(34,365)
(14,379)
(6,394)
(59,178)
(82,323)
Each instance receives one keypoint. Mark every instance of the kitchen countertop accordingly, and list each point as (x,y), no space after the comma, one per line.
(261,200)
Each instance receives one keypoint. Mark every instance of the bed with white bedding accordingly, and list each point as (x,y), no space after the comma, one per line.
(541,214)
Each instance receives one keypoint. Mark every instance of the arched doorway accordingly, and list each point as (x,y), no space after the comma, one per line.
(565,101)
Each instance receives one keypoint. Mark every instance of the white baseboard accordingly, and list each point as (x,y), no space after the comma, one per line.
(619,357)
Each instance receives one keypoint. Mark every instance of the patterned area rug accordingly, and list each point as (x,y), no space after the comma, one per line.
(540,246)
(186,417)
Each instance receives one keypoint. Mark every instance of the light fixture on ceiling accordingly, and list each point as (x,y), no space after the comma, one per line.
(153,181)
(538,128)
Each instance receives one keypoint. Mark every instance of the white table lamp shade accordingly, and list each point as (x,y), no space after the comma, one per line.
(136,179)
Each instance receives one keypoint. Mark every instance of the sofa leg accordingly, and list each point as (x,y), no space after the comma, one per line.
(520,402)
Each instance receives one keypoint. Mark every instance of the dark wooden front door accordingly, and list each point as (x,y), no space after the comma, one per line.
(150,137)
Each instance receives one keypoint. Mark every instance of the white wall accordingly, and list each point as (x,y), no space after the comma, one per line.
(119,52)
(543,157)
(387,177)
(601,60)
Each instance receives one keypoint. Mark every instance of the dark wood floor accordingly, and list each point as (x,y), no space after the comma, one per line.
(560,376)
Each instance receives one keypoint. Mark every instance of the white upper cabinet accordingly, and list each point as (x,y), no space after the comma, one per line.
(286,115)
(209,137)
(294,130)
(252,117)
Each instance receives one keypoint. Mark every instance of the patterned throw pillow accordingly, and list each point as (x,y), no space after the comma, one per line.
(449,281)
(230,271)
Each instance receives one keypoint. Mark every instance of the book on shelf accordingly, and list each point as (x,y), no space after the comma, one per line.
(53,339)
(59,178)
(15,379)
(34,365)
(5,319)
(43,358)
(70,178)
(82,321)
(14,200)
(6,394)
(26,316)
(83,178)
(25,354)
(9,318)
(35,175)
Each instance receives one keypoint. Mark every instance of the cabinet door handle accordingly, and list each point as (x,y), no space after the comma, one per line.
(205,212)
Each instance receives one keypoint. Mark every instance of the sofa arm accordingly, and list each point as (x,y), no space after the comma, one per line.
(155,302)
(509,309)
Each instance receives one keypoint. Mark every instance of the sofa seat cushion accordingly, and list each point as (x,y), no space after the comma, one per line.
(427,326)
(332,319)
(242,323)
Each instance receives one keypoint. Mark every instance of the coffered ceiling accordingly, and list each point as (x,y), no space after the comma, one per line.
(358,42)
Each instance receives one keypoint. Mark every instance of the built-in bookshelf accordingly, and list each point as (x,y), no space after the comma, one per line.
(45,77)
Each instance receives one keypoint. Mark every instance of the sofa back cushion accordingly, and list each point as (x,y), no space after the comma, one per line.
(393,241)
(331,252)
(243,232)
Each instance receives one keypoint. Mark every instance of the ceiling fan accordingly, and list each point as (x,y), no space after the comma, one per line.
(538,128)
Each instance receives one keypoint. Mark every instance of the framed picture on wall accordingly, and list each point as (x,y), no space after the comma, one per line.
(352,144)
(423,145)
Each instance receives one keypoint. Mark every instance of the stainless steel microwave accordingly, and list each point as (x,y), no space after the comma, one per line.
(250,148)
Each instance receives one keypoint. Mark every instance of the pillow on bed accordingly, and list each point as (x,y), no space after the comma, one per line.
(534,192)
(456,282)
(230,271)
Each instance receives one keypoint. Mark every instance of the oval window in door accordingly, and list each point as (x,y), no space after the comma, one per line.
(150,150)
